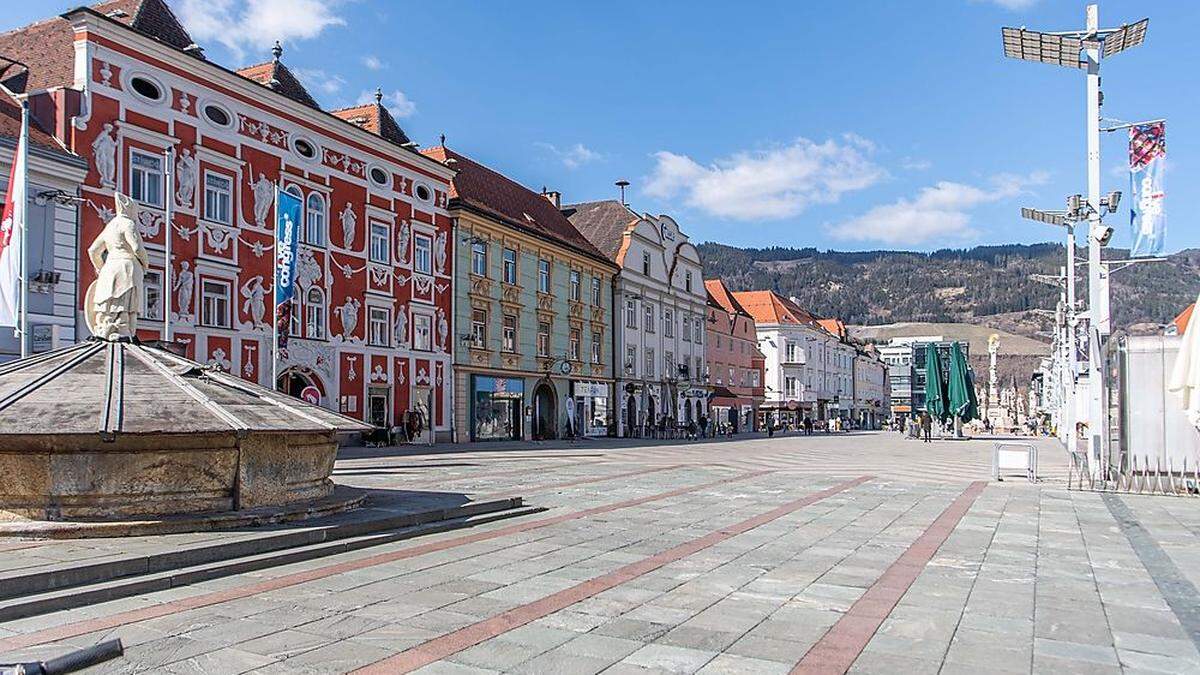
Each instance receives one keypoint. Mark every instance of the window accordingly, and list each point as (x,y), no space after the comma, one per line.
(668,322)
(214,303)
(314,220)
(649,309)
(146,178)
(218,197)
(543,338)
(597,347)
(687,328)
(631,360)
(574,286)
(687,282)
(423,193)
(478,328)
(479,251)
(700,367)
(596,291)
(669,363)
(423,332)
(790,387)
(217,115)
(543,276)
(146,88)
(645,263)
(651,366)
(314,314)
(381,242)
(510,333)
(510,266)
(573,339)
(699,331)
(152,307)
(378,176)
(304,148)
(754,378)
(422,246)
(295,324)
(630,314)
(379,326)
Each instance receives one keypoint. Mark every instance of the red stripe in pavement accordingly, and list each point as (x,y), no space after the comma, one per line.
(841,645)
(454,642)
(77,628)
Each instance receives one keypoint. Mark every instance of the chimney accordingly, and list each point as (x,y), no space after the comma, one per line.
(554,196)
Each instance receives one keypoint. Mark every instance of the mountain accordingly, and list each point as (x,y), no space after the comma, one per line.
(986,285)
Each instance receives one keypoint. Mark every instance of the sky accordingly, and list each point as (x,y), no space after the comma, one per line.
(847,125)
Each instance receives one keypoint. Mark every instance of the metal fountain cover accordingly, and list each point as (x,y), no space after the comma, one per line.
(122,387)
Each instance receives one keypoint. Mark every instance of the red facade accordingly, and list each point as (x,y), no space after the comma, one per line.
(372,332)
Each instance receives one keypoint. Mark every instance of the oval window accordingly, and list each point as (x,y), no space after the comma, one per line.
(146,88)
(305,149)
(379,176)
(217,115)
(423,193)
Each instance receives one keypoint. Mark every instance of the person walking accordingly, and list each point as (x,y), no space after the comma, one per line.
(926,427)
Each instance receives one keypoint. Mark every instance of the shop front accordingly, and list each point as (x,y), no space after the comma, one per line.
(496,408)
(592,409)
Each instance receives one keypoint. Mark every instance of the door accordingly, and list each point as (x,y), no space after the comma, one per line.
(377,407)
(545,413)
(630,416)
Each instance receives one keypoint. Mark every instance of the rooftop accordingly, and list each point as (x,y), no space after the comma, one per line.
(605,223)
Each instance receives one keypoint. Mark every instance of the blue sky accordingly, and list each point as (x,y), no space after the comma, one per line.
(849,125)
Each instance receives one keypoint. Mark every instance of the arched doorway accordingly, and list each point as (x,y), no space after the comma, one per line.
(687,411)
(545,412)
(651,417)
(294,381)
(631,421)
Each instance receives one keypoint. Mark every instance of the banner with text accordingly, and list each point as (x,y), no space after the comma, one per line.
(1147,158)
(287,236)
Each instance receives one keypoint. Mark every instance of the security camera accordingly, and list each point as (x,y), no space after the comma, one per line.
(1102,234)
(1074,203)
(1111,200)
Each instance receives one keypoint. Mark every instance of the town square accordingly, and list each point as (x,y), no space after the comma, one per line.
(546,340)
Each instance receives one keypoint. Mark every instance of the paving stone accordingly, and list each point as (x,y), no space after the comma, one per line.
(669,658)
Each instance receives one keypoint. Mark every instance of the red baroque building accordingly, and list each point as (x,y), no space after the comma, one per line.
(122,82)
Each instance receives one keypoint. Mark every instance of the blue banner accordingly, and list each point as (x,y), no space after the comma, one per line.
(287,237)
(1147,158)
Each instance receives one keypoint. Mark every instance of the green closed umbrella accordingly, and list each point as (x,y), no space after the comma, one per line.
(960,392)
(935,391)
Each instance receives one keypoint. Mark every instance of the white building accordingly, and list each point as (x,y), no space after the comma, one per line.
(659,306)
(52,246)
(872,394)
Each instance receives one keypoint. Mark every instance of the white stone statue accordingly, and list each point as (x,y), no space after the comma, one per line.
(443,329)
(401,329)
(255,300)
(104,155)
(184,282)
(115,298)
(264,194)
(185,178)
(439,254)
(349,226)
(308,270)
(402,243)
(348,313)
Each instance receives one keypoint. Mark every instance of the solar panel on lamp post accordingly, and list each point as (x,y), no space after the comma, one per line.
(1082,50)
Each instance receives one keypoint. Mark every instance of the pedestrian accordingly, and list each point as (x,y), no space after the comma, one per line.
(770,428)
(926,426)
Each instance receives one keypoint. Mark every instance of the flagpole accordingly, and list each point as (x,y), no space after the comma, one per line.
(275,301)
(168,157)
(22,156)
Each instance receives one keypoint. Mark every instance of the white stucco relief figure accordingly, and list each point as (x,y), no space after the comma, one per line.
(264,193)
(104,155)
(255,302)
(185,178)
(439,254)
(443,329)
(348,313)
(401,329)
(349,226)
(115,298)
(308,270)
(184,282)
(220,359)
(402,243)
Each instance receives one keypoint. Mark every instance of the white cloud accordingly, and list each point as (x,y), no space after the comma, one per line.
(915,164)
(372,62)
(254,25)
(572,156)
(1014,5)
(767,184)
(396,102)
(315,78)
(942,210)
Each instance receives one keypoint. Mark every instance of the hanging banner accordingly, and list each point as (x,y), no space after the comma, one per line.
(10,240)
(1147,159)
(287,236)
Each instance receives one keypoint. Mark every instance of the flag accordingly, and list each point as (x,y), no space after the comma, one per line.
(287,236)
(11,228)
(1147,157)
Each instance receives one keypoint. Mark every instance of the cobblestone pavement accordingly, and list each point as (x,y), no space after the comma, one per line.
(862,553)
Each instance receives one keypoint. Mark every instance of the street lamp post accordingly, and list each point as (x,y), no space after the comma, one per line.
(1083,50)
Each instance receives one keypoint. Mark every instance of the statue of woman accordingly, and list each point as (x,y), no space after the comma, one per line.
(115,298)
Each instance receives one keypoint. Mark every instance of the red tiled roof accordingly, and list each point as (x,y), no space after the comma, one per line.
(47,46)
(723,297)
(604,223)
(834,327)
(375,118)
(10,126)
(277,77)
(770,307)
(494,194)
(1185,317)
